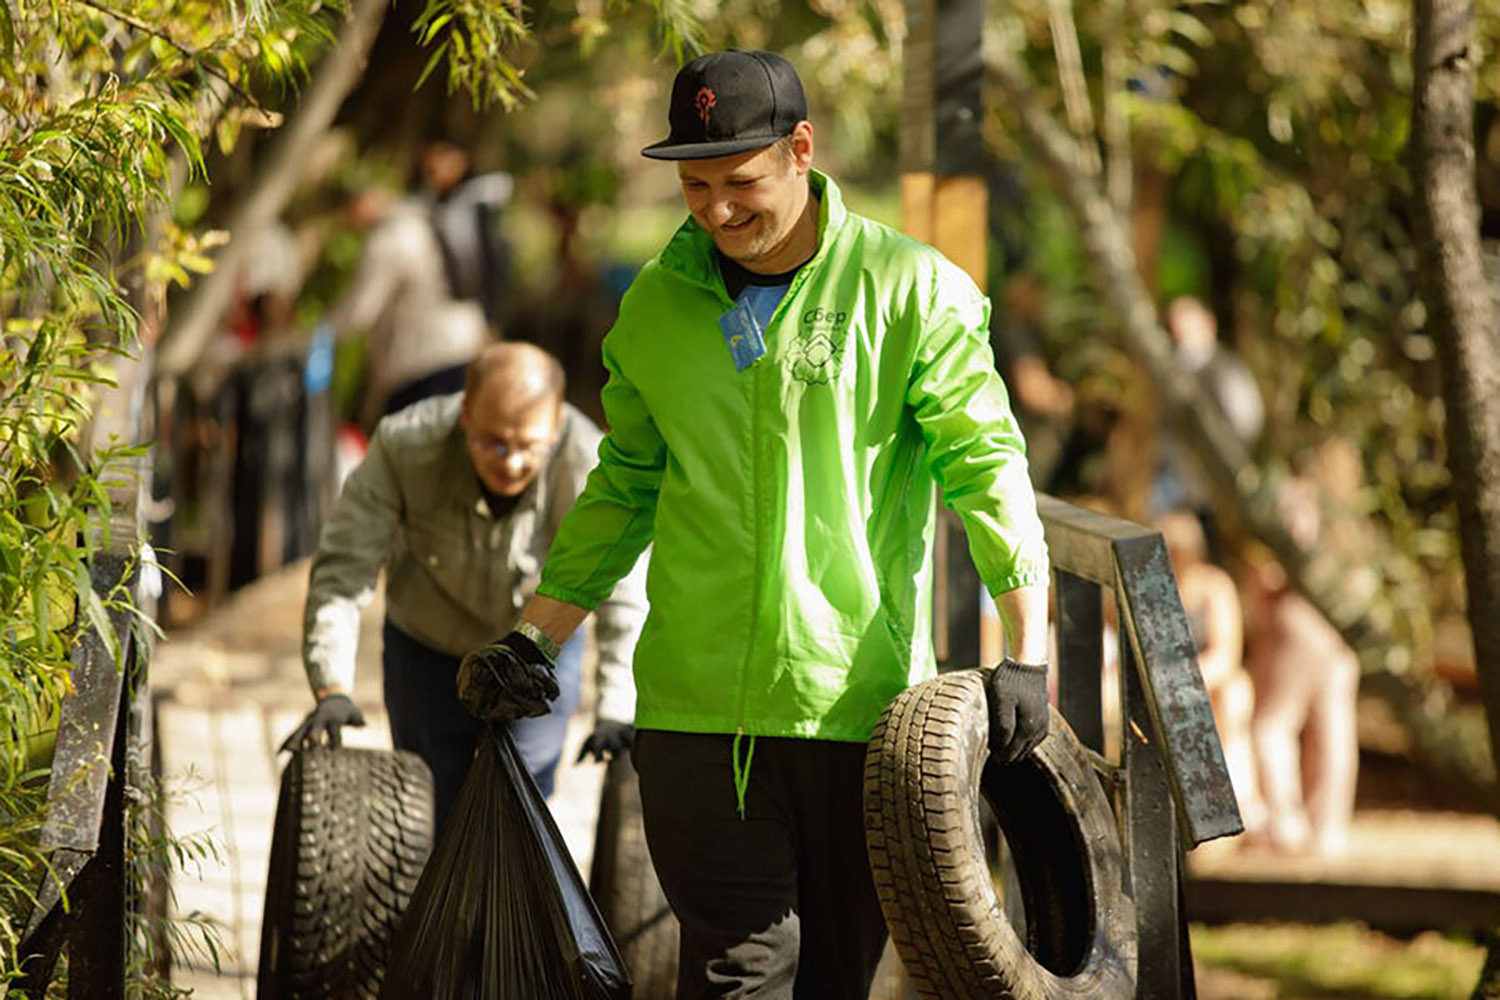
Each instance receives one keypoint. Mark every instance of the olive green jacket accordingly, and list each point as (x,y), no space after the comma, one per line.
(456,577)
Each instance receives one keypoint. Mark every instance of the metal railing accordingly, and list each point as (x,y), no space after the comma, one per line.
(1166,779)
(82,903)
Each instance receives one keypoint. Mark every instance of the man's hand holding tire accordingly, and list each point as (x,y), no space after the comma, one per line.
(1017,696)
(332,713)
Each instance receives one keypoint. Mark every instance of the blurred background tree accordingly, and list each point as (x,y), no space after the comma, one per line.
(1459,282)
(1255,158)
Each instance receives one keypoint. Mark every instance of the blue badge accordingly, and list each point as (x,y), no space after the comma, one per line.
(742,332)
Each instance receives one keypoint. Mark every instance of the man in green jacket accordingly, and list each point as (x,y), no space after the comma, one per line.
(789,385)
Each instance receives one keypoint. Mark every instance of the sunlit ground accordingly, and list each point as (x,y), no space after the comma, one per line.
(1300,962)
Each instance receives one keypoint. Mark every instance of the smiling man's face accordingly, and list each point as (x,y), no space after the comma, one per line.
(755,204)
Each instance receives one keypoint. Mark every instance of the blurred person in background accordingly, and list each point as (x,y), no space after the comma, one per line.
(431,282)
(1226,380)
(458,499)
(1306,696)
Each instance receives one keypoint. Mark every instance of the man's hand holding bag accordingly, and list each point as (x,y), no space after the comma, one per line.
(510,678)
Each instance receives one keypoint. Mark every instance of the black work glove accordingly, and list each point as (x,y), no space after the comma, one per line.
(608,739)
(1017,696)
(332,712)
(507,679)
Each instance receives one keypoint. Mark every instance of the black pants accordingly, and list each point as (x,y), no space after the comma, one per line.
(421,701)
(780,904)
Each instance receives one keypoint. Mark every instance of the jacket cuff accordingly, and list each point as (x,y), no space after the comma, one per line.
(547,589)
(616,700)
(1030,577)
(323,675)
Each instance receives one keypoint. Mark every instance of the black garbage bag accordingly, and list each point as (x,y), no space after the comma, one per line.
(500,912)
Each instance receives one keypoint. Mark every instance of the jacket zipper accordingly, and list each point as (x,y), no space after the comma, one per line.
(715,285)
(757,567)
(755,495)
(755,488)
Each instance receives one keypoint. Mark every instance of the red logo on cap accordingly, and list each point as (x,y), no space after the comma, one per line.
(704,101)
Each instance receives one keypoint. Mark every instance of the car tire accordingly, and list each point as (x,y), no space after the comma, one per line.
(623,882)
(353,830)
(926,770)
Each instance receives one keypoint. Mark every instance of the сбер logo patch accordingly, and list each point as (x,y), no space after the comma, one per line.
(816,358)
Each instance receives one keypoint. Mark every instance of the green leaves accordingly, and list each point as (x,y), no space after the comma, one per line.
(681,29)
(1273,138)
(102,103)
(475,38)
(483,44)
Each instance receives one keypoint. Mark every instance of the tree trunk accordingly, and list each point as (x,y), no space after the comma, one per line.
(191,330)
(1421,703)
(1460,302)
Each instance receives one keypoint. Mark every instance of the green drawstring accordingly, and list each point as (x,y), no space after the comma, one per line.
(741,776)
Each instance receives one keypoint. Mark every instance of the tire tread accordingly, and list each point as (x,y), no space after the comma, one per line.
(922,774)
(353,831)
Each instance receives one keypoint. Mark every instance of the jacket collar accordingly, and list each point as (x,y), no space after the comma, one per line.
(689,252)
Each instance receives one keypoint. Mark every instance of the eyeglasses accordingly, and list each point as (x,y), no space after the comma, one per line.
(531,452)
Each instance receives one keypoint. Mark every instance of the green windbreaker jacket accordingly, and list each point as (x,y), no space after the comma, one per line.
(792,505)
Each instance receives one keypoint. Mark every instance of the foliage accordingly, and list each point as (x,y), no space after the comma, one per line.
(474,35)
(1279,137)
(480,42)
(21,799)
(101,107)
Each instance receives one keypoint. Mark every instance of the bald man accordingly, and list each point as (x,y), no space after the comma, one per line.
(458,499)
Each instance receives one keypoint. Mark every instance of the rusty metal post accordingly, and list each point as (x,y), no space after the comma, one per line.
(1176,791)
(1173,694)
(1152,852)
(85,830)
(99,925)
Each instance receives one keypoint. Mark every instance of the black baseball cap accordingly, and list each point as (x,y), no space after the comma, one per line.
(730,102)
